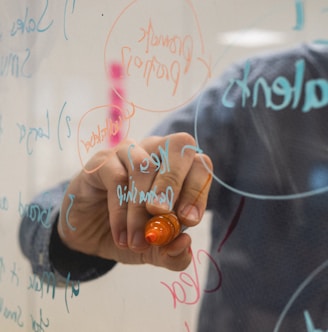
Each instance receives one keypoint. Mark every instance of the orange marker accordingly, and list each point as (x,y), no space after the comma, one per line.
(162,229)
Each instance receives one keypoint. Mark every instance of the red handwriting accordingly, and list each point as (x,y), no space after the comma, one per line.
(233,223)
(182,46)
(101,133)
(187,327)
(152,66)
(157,57)
(91,141)
(187,289)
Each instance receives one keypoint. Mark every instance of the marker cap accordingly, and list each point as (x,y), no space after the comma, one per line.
(162,229)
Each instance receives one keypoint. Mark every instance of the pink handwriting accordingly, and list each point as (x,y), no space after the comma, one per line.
(187,289)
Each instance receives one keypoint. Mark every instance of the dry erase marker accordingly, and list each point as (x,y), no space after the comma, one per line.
(162,229)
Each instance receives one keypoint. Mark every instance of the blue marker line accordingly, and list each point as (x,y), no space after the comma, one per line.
(299,6)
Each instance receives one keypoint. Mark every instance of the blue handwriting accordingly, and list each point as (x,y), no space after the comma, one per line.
(30,135)
(132,194)
(35,212)
(44,284)
(4,205)
(160,162)
(11,314)
(48,282)
(288,93)
(71,198)
(309,323)
(37,283)
(14,275)
(29,24)
(60,124)
(65,16)
(40,325)
(296,294)
(300,19)
(13,64)
(299,9)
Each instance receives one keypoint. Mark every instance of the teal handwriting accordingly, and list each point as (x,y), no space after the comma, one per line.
(299,8)
(44,284)
(35,212)
(11,314)
(158,163)
(47,283)
(33,134)
(296,294)
(75,288)
(63,123)
(39,325)
(71,198)
(30,135)
(132,194)
(66,14)
(29,24)
(288,93)
(309,323)
(14,277)
(4,204)
(300,19)
(13,64)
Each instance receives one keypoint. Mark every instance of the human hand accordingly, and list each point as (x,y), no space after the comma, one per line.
(104,212)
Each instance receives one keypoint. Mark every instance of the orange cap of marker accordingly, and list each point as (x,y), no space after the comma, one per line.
(162,229)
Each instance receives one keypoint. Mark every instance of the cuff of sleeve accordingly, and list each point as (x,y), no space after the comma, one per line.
(81,266)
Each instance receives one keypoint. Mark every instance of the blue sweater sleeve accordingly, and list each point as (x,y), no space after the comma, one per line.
(41,244)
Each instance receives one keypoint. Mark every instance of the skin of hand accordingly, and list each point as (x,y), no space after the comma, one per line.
(95,222)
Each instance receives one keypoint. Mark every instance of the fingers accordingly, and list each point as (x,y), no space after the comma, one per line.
(176,256)
(176,162)
(192,201)
(127,188)
(185,182)
(158,175)
(141,174)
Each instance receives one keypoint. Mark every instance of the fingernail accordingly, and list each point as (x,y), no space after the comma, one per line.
(138,240)
(191,213)
(123,239)
(163,204)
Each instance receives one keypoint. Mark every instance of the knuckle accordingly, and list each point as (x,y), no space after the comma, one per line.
(178,263)
(172,179)
(202,158)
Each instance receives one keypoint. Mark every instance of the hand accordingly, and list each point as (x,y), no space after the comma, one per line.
(100,217)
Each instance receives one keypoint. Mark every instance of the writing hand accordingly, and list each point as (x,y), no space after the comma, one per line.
(111,205)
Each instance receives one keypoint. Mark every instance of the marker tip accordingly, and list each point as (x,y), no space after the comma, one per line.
(151,237)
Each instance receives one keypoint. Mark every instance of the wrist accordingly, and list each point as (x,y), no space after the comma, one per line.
(80,266)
